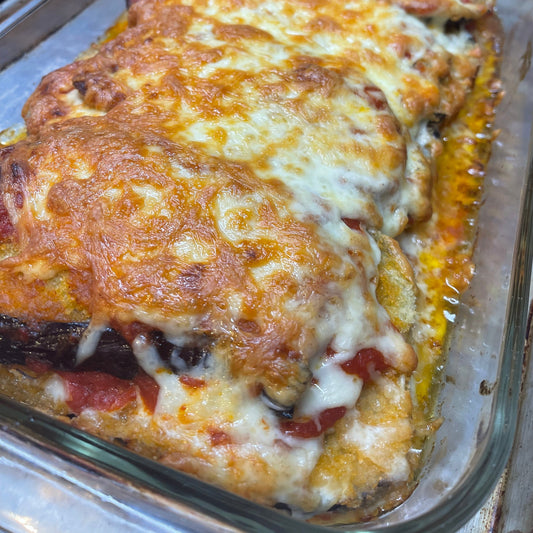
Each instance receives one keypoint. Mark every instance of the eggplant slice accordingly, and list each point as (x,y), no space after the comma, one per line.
(57,343)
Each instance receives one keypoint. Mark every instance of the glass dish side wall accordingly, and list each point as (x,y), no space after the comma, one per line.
(471,447)
(482,374)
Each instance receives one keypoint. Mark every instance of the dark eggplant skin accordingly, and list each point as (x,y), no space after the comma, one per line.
(188,356)
(56,344)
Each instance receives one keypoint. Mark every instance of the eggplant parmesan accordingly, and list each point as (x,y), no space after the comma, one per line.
(200,255)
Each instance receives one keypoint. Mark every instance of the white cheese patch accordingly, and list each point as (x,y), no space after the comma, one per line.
(192,249)
(147,356)
(333,388)
(55,388)
(89,341)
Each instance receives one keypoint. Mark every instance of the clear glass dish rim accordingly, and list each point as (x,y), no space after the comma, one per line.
(448,515)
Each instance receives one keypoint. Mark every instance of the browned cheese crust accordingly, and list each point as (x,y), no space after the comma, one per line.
(222,184)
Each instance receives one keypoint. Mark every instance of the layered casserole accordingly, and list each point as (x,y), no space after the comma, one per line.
(230,231)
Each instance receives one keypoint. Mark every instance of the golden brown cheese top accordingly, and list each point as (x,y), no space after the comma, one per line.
(154,232)
(211,174)
(317,124)
(420,71)
(207,193)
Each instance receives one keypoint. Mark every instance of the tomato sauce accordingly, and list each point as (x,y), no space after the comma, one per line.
(366,363)
(104,392)
(313,427)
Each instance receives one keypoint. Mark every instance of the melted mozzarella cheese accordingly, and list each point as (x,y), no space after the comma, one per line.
(332,388)
(385,41)
(88,342)
(55,388)
(198,175)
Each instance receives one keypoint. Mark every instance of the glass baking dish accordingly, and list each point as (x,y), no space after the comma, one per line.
(51,474)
